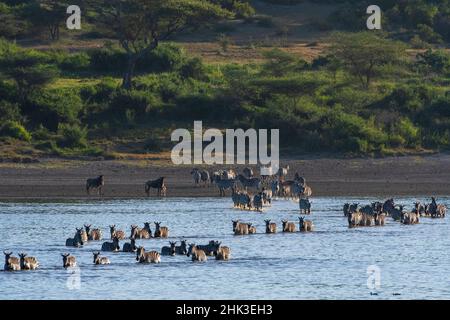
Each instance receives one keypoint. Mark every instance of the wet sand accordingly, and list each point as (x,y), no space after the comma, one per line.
(56,179)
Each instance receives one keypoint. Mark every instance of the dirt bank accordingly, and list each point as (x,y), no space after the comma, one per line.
(54,179)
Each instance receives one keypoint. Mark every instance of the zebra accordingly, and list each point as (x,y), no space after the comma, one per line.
(77,240)
(282,172)
(95,183)
(157,184)
(100,260)
(258,201)
(228,174)
(247,172)
(224,184)
(69,261)
(196,175)
(205,177)
(249,182)
(28,263)
(305,205)
(147,257)
(267,196)
(11,263)
(275,187)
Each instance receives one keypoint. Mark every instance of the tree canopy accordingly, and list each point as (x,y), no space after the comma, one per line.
(139,25)
(363,53)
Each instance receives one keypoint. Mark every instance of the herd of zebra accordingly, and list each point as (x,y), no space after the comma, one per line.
(375,213)
(265,189)
(83,236)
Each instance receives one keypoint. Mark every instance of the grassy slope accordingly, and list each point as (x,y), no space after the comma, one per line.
(248,41)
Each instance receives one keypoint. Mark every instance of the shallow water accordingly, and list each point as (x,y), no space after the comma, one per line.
(331,263)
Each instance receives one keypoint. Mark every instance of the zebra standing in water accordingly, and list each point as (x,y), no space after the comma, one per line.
(95,183)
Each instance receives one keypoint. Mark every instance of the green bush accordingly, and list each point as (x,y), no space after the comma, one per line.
(107,60)
(9,111)
(409,133)
(195,69)
(427,34)
(351,133)
(72,136)
(15,130)
(100,92)
(243,9)
(50,107)
(166,57)
(437,61)
(76,62)
(407,99)
(130,105)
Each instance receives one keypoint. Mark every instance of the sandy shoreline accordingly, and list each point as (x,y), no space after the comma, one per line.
(65,179)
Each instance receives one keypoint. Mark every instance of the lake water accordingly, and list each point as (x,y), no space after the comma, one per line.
(331,263)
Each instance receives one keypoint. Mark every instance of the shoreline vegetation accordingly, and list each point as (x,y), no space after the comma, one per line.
(344,90)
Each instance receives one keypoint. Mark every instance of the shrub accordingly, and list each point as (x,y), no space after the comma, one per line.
(72,136)
(408,132)
(347,132)
(437,61)
(9,111)
(243,9)
(15,130)
(129,105)
(195,69)
(407,99)
(166,57)
(107,60)
(53,106)
(76,62)
(427,34)
(100,92)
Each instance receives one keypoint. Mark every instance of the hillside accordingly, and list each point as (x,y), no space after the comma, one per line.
(269,66)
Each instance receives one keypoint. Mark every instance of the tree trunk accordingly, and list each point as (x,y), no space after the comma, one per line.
(129,73)
(132,60)
(54,32)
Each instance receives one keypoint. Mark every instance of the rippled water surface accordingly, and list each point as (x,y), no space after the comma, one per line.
(331,263)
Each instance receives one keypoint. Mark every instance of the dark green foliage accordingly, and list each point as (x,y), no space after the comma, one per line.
(164,58)
(131,106)
(76,62)
(15,130)
(9,111)
(326,105)
(72,136)
(242,9)
(28,69)
(435,61)
(50,107)
(195,69)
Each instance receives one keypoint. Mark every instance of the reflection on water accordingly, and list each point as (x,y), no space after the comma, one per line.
(331,263)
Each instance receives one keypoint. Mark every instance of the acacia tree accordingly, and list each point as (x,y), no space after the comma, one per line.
(140,25)
(48,14)
(364,53)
